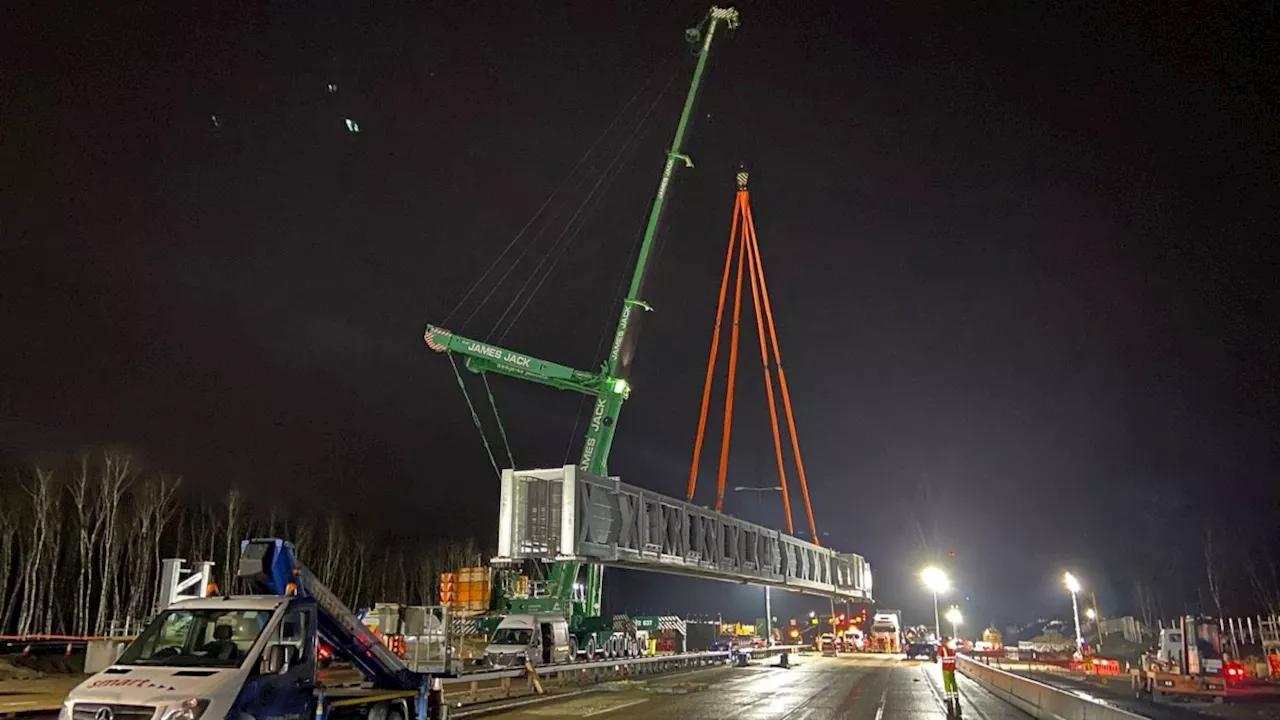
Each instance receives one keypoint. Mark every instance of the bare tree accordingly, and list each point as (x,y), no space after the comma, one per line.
(1146,602)
(1215,589)
(272,520)
(40,494)
(359,572)
(304,530)
(51,571)
(153,507)
(114,478)
(88,526)
(8,556)
(331,556)
(212,526)
(1266,589)
(232,527)
(163,508)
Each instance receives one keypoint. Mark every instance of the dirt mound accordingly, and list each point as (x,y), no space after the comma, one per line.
(12,671)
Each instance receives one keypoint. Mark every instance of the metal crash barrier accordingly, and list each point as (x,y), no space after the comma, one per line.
(507,683)
(1037,699)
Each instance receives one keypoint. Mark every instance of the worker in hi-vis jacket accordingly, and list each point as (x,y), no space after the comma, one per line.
(947,655)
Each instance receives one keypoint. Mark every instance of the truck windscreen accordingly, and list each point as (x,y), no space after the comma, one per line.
(512,636)
(197,638)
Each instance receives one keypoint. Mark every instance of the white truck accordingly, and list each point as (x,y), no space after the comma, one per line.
(253,657)
(886,632)
(536,639)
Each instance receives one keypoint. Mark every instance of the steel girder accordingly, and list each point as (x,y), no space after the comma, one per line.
(566,514)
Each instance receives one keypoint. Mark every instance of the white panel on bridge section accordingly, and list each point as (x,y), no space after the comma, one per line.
(566,514)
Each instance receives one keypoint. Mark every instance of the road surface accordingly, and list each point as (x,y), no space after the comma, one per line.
(870,687)
(28,696)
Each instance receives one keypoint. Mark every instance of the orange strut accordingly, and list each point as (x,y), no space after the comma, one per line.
(733,374)
(782,377)
(711,359)
(754,265)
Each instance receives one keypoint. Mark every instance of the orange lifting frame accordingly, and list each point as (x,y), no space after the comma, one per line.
(742,239)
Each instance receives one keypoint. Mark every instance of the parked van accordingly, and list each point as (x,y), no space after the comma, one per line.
(541,639)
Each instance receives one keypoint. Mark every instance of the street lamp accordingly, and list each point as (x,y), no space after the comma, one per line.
(954,617)
(768,600)
(1092,614)
(936,582)
(1074,586)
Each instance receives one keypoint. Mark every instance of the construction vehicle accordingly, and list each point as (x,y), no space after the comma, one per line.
(919,634)
(571,587)
(886,631)
(922,650)
(253,656)
(992,640)
(853,640)
(1186,662)
(828,644)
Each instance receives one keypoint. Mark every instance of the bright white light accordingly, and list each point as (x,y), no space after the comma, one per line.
(813,614)
(935,580)
(1071,582)
(1090,613)
(954,617)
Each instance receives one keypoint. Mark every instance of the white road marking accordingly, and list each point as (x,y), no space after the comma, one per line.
(602,711)
(942,704)
(880,708)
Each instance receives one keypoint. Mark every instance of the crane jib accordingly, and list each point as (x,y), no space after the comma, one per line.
(502,359)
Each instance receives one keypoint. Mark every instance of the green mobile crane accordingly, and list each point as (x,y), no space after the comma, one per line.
(564,593)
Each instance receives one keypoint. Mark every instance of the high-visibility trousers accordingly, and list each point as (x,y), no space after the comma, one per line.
(949,683)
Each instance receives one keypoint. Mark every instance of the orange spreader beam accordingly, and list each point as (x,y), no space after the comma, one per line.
(745,249)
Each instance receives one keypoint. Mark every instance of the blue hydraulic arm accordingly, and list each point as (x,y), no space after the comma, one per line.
(270,567)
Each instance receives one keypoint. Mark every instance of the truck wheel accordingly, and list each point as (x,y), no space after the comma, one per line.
(573,649)
(591,648)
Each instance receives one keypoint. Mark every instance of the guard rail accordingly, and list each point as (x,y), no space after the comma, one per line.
(504,682)
(1037,699)
(681,658)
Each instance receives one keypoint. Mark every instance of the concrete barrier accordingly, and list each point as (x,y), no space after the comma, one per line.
(1037,699)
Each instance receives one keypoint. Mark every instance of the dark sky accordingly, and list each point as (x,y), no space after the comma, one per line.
(1021,257)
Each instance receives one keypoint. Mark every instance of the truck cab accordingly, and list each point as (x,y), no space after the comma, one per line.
(538,639)
(1186,661)
(243,657)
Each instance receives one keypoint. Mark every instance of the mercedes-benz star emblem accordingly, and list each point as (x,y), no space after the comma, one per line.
(104,713)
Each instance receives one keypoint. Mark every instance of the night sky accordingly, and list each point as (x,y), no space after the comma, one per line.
(1022,258)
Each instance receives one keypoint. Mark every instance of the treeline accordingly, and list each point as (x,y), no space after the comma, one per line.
(81,544)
